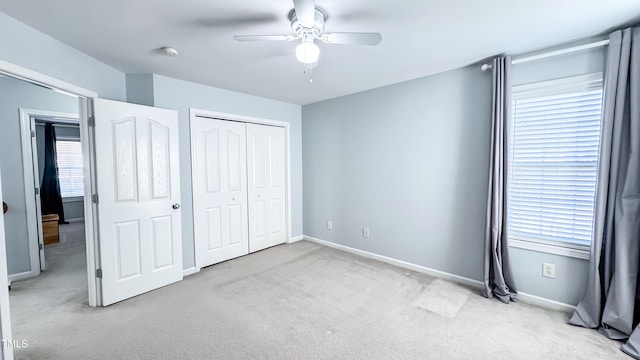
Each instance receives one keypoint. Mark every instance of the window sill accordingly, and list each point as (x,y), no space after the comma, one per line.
(551,249)
(72,199)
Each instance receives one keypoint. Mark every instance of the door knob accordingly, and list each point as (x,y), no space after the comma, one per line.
(176,206)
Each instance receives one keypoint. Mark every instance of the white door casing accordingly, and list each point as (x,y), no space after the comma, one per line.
(218,156)
(31,177)
(266,186)
(138,180)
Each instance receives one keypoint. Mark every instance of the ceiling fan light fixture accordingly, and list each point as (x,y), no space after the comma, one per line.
(307,52)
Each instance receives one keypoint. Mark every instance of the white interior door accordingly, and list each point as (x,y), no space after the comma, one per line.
(5,312)
(266,170)
(36,185)
(138,183)
(218,155)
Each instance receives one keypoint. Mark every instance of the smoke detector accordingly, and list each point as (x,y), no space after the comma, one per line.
(169,51)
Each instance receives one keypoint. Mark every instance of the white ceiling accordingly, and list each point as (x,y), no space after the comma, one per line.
(420,37)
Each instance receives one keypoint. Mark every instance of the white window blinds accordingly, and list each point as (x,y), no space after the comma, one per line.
(553,159)
(69,155)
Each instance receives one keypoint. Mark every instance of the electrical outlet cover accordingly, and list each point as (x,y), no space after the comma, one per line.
(549,270)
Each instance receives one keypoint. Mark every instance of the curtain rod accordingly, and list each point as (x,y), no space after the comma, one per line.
(568,50)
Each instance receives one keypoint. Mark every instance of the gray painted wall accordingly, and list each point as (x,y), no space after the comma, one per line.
(140,89)
(73,208)
(15,94)
(29,48)
(410,161)
(182,95)
(583,62)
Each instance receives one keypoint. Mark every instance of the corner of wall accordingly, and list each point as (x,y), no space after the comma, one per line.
(140,89)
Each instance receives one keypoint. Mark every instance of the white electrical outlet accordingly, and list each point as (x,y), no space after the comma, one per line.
(549,270)
(330,225)
(365,233)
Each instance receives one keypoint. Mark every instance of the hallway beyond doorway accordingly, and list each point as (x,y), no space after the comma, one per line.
(64,283)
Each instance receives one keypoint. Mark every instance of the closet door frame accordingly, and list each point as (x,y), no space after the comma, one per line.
(198,113)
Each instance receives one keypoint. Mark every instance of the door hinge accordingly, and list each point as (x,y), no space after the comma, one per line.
(40,246)
(99,273)
(91,121)
(94,198)
(33,133)
(37,191)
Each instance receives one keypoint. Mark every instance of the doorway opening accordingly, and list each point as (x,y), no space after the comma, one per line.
(59,266)
(45,225)
(53,168)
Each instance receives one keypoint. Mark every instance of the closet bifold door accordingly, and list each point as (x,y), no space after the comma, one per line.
(219,170)
(266,186)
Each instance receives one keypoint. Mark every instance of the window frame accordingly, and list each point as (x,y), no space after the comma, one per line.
(541,89)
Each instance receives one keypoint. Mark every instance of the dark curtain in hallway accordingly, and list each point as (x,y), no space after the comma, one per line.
(50,196)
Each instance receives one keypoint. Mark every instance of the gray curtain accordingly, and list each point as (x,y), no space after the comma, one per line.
(610,302)
(498,280)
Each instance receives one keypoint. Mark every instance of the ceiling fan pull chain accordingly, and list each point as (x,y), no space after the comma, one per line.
(308,68)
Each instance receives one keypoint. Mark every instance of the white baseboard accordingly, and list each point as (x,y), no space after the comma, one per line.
(524,297)
(545,303)
(189,271)
(22,276)
(296,238)
(74,220)
(403,264)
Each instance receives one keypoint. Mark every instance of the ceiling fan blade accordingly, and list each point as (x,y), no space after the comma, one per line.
(264,37)
(371,39)
(306,12)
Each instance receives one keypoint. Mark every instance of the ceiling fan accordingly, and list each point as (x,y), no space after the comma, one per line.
(307,23)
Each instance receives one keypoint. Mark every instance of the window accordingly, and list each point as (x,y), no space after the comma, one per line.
(69,155)
(553,162)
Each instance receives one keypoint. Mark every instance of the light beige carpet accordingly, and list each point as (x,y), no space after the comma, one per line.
(443,298)
(299,301)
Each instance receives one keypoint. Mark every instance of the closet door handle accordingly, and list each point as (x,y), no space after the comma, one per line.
(176,206)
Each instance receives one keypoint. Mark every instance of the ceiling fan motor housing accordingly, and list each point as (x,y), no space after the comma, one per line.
(308,34)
